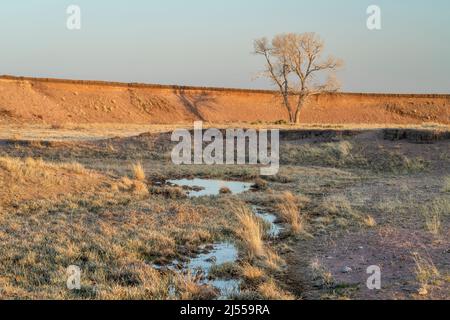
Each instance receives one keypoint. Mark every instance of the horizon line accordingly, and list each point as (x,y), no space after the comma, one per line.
(204,88)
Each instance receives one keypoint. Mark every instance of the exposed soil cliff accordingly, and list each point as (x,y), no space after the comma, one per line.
(31,100)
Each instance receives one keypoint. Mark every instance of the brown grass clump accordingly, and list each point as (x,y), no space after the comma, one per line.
(251,273)
(433,214)
(169,192)
(138,172)
(225,190)
(290,212)
(369,221)
(190,289)
(321,274)
(270,290)
(338,209)
(139,188)
(273,260)
(250,231)
(426,273)
(260,184)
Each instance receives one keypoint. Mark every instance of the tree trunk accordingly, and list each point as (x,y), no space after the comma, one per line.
(288,108)
(301,102)
(297,116)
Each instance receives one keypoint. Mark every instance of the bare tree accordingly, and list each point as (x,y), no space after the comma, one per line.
(294,64)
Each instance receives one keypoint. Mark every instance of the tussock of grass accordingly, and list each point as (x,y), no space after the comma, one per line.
(138,172)
(225,190)
(189,289)
(369,221)
(260,184)
(337,209)
(273,261)
(433,214)
(250,231)
(137,187)
(251,273)
(321,274)
(289,212)
(426,273)
(226,270)
(140,188)
(270,290)
(169,192)
(337,205)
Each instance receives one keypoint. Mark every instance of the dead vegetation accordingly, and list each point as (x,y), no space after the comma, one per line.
(426,273)
(289,212)
(138,172)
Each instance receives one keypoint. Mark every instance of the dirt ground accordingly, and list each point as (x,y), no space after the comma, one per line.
(60,102)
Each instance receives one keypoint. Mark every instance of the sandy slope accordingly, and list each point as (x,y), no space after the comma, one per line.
(64,101)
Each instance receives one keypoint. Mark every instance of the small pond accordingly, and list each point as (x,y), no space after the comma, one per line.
(207,187)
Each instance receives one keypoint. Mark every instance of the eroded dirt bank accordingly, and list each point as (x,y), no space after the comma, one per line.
(28,100)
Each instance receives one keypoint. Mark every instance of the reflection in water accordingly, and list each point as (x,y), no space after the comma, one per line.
(207,187)
(220,254)
(201,265)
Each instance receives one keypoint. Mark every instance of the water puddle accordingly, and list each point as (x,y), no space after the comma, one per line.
(220,254)
(206,187)
(274,229)
(200,267)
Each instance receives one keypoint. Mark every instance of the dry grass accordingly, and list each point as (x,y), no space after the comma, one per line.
(434,212)
(433,222)
(321,274)
(273,261)
(89,131)
(32,179)
(289,212)
(369,221)
(337,209)
(190,289)
(446,187)
(152,285)
(344,154)
(270,290)
(117,232)
(135,186)
(29,168)
(250,231)
(330,153)
(138,172)
(225,190)
(426,273)
(251,273)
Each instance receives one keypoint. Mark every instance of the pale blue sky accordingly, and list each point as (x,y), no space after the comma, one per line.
(209,42)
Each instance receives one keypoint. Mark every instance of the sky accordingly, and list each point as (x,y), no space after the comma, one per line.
(210,42)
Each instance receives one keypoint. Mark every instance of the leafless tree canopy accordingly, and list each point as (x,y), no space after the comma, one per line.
(295,65)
